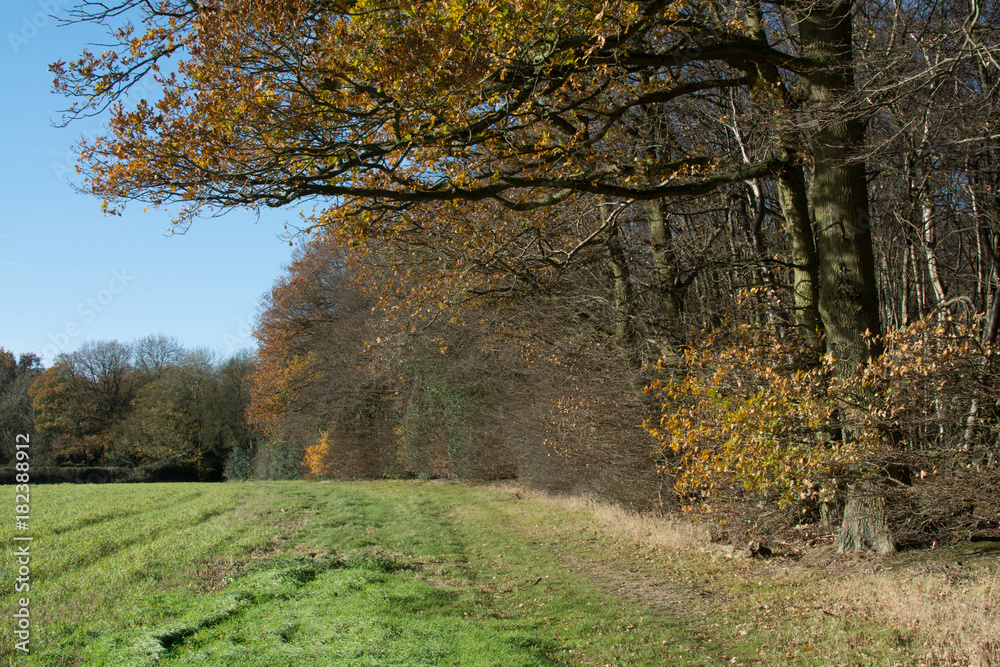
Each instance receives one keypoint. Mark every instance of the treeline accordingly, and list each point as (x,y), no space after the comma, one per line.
(357,380)
(675,353)
(150,404)
(735,258)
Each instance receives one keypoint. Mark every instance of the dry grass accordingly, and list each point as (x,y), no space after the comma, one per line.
(943,607)
(617,522)
(953,615)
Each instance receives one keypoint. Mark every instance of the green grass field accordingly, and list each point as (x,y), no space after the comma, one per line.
(397,573)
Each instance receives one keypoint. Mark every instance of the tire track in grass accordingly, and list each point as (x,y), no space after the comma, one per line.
(216,520)
(120,532)
(71,515)
(148,564)
(260,589)
(93,519)
(63,551)
(377,599)
(512,577)
(366,610)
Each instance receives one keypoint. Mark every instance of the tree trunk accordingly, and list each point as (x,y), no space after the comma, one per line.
(930,248)
(838,194)
(904,308)
(864,526)
(794,199)
(795,208)
(621,287)
(670,288)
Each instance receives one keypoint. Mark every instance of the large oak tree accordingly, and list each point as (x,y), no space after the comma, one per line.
(375,108)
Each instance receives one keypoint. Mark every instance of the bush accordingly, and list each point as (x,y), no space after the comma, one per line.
(343,455)
(752,423)
(933,402)
(238,464)
(278,460)
(750,412)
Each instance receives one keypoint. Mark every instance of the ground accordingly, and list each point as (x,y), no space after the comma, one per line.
(414,573)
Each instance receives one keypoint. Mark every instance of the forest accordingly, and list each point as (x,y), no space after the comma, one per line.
(145,404)
(739,260)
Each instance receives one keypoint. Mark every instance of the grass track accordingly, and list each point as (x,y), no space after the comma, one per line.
(391,573)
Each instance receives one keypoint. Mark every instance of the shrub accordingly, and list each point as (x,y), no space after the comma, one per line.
(751,419)
(750,411)
(933,401)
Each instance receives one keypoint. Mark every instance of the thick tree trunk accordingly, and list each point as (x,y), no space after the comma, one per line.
(864,526)
(838,194)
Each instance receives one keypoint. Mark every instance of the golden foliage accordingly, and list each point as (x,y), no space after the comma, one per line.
(748,409)
(317,455)
(369,103)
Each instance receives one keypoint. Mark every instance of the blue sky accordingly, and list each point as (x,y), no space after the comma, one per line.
(68,273)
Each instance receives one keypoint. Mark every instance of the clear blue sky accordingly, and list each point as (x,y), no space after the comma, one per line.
(68,273)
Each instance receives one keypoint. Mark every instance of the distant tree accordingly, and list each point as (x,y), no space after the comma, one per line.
(147,403)
(66,414)
(81,397)
(16,412)
(234,377)
(107,373)
(155,353)
(163,424)
(189,416)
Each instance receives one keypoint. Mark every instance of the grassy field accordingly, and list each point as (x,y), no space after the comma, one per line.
(408,573)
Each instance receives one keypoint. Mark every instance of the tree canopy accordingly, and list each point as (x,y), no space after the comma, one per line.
(375,108)
(632,167)
(521,102)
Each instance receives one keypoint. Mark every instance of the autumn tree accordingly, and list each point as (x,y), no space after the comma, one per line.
(406,122)
(312,375)
(81,396)
(163,424)
(475,392)
(524,106)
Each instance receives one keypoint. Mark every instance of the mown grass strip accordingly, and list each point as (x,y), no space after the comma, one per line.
(401,573)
